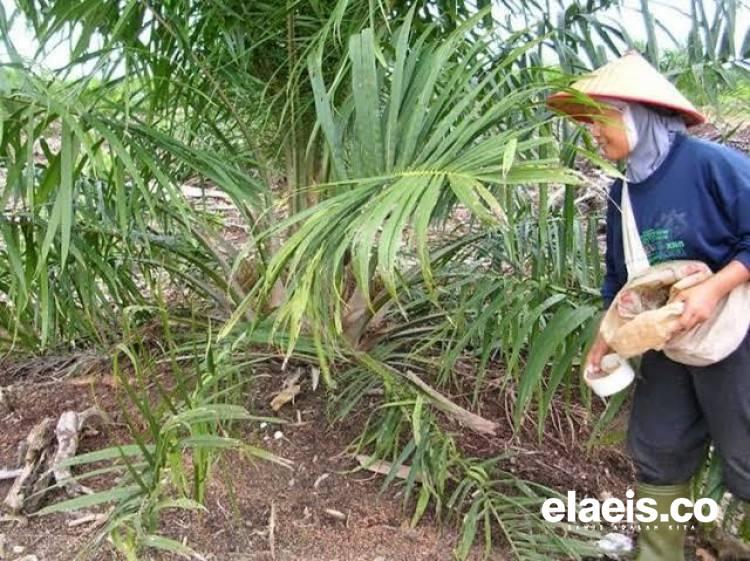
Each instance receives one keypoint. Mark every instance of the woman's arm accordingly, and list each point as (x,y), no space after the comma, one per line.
(729,173)
(701,300)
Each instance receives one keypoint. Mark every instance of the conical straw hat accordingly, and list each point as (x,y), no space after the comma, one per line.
(629,78)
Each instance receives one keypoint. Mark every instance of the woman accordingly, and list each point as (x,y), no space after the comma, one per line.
(691,200)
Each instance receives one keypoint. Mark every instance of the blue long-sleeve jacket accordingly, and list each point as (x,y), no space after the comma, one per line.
(696,205)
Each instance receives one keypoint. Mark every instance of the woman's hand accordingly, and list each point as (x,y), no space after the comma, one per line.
(596,353)
(700,303)
(701,300)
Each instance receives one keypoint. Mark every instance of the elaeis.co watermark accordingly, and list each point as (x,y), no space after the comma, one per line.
(590,512)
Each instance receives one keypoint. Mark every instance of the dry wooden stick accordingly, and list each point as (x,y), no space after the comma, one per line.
(384,468)
(9,473)
(67,432)
(467,418)
(34,453)
(38,464)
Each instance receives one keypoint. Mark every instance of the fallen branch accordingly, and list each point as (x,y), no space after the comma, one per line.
(39,465)
(384,468)
(467,418)
(34,452)
(96,519)
(9,473)
(67,431)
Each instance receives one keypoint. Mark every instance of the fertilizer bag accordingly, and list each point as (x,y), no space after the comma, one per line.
(646,311)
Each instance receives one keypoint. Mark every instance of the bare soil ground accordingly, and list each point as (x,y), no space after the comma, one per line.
(373,524)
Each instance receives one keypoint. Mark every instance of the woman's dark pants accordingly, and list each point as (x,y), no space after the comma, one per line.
(677,410)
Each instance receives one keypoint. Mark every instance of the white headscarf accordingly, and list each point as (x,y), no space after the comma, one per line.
(650,135)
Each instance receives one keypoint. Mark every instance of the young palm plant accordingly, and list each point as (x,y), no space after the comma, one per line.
(414,130)
(422,128)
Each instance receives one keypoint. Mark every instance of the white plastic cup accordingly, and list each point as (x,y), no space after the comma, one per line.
(616,374)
